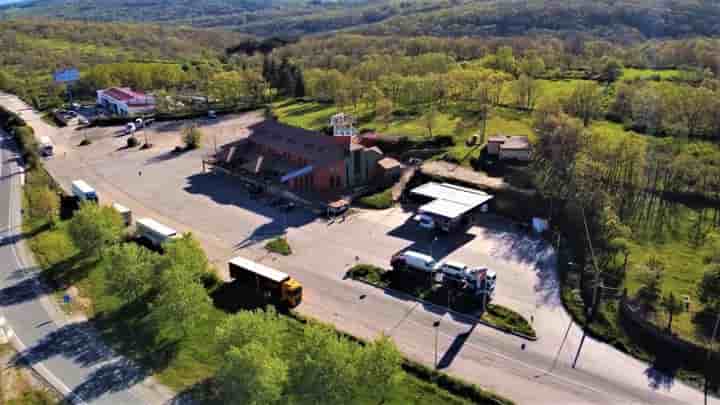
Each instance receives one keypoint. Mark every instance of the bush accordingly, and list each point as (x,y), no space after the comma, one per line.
(132,142)
(379,201)
(368,272)
(192,137)
(509,319)
(279,246)
(85,142)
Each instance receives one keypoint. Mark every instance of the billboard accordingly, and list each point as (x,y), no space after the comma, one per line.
(66,75)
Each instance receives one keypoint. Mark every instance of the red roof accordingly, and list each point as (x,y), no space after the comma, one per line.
(123,93)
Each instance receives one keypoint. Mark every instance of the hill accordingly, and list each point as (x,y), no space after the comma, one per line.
(630,19)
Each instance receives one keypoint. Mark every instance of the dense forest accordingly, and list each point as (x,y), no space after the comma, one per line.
(626,19)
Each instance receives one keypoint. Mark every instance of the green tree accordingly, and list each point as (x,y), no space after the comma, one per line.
(651,283)
(379,370)
(585,102)
(252,375)
(709,289)
(384,109)
(181,304)
(430,119)
(325,369)
(527,90)
(94,227)
(192,137)
(187,254)
(611,70)
(44,203)
(673,306)
(130,270)
(266,327)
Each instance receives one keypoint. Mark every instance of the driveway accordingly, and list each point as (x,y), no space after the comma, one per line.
(172,189)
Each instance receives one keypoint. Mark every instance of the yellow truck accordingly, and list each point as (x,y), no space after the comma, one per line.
(275,286)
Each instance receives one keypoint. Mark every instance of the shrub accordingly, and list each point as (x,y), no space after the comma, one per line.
(279,246)
(132,142)
(379,201)
(367,272)
(192,137)
(85,142)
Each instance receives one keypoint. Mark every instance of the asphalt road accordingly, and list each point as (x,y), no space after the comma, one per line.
(65,353)
(171,189)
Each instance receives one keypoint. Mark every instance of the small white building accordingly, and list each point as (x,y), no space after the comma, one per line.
(123,101)
(343,125)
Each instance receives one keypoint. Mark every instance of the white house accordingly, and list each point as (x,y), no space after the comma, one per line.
(124,101)
(343,125)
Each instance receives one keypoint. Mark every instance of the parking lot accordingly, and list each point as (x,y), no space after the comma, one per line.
(172,189)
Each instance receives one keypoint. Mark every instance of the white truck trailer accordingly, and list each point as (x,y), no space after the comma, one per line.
(124,212)
(83,192)
(154,231)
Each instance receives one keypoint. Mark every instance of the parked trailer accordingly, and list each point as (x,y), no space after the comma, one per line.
(154,231)
(124,212)
(83,192)
(274,285)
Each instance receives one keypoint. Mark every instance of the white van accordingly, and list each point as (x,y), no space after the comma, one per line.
(46,147)
(83,191)
(129,128)
(414,260)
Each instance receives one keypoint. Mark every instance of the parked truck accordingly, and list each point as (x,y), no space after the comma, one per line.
(274,285)
(459,275)
(83,192)
(155,232)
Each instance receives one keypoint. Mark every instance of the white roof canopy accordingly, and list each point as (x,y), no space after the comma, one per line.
(451,201)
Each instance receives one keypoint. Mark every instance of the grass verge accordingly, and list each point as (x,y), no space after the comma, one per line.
(280,246)
(378,201)
(498,316)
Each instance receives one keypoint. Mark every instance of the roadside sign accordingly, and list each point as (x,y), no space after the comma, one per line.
(66,75)
(67,299)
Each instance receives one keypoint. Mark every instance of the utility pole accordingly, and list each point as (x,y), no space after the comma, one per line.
(709,356)
(596,288)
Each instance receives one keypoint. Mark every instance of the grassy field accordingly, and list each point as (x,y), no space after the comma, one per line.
(193,359)
(683,258)
(639,74)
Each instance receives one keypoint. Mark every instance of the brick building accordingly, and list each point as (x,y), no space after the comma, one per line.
(305,160)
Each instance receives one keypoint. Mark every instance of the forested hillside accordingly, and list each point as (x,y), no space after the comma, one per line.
(627,19)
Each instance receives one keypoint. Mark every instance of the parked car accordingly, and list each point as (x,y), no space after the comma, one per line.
(212,115)
(82,120)
(425,221)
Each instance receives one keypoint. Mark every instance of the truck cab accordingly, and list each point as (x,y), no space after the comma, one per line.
(292,292)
